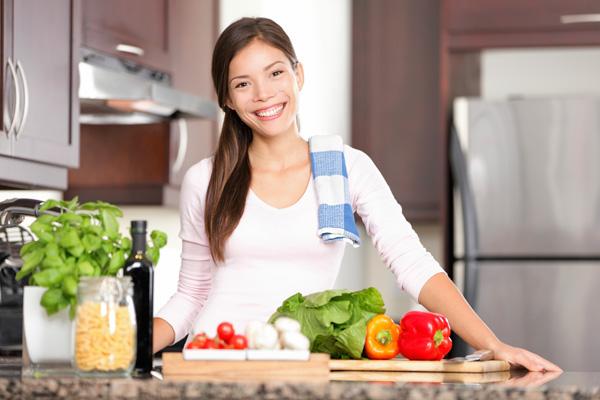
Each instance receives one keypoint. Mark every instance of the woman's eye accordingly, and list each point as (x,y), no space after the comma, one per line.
(277,73)
(241,85)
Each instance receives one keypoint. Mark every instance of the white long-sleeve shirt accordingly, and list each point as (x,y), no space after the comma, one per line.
(274,253)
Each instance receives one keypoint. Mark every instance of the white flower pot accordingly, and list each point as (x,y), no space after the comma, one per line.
(48,338)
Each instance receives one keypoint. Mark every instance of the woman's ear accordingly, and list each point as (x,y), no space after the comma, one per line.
(299,71)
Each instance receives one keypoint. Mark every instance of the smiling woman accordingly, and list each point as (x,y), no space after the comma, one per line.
(256,228)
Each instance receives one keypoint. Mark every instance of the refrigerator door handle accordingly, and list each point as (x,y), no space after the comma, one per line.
(469,215)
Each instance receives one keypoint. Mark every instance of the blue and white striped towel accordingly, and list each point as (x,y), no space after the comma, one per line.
(336,219)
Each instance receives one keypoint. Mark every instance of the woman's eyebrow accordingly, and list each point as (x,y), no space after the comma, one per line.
(264,69)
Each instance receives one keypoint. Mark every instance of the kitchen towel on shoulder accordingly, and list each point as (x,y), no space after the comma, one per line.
(336,218)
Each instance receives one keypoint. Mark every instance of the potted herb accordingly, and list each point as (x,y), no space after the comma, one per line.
(77,240)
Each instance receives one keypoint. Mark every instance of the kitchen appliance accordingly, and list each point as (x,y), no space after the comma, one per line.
(119,91)
(12,238)
(527,222)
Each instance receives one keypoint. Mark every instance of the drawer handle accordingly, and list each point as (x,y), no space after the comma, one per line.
(579,18)
(23,118)
(129,49)
(9,123)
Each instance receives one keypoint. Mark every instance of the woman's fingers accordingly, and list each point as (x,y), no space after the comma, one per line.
(526,359)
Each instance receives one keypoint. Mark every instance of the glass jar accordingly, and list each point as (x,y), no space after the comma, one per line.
(105,327)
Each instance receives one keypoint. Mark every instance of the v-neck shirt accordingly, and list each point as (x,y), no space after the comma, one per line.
(274,253)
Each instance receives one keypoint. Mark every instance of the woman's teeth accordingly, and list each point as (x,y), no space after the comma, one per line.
(270,112)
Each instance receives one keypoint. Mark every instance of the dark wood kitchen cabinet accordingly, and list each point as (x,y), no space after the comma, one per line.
(395,98)
(514,23)
(137,30)
(40,54)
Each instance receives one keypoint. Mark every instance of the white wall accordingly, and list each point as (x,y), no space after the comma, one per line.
(540,72)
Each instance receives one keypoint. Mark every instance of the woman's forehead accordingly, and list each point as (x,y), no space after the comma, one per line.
(254,57)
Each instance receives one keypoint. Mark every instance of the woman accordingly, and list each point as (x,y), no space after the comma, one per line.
(249,214)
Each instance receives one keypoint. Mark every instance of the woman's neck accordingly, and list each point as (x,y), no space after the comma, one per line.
(278,153)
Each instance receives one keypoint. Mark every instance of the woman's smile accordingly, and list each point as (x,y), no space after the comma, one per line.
(270,113)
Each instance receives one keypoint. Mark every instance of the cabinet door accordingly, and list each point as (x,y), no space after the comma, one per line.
(132,29)
(395,98)
(45,47)
(516,15)
(5,79)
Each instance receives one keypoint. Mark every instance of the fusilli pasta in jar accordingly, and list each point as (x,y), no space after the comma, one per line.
(105,330)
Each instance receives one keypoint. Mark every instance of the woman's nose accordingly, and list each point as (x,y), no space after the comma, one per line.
(263,92)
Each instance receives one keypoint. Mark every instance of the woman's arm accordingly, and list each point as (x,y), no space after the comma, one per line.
(439,294)
(163,334)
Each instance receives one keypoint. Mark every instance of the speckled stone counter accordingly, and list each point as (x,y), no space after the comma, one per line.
(567,386)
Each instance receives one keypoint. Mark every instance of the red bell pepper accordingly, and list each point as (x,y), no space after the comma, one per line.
(424,336)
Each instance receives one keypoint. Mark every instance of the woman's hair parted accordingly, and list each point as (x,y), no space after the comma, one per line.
(230,178)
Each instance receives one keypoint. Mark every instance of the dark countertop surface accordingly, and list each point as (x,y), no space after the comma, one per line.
(534,386)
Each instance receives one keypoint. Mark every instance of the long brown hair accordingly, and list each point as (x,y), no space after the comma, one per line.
(230,178)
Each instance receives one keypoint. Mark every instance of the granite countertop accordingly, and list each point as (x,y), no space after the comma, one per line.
(534,386)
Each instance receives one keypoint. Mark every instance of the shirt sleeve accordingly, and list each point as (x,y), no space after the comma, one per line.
(392,235)
(195,275)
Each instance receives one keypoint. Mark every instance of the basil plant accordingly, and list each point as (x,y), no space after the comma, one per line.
(75,240)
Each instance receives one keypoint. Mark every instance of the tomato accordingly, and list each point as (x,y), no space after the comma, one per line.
(239,342)
(225,331)
(211,344)
(193,345)
(200,340)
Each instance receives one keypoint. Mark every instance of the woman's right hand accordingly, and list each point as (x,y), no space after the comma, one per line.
(163,334)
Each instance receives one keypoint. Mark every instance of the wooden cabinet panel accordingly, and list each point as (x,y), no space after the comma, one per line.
(139,23)
(46,66)
(474,25)
(395,98)
(516,15)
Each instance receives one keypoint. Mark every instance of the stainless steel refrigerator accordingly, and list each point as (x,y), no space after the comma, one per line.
(526,175)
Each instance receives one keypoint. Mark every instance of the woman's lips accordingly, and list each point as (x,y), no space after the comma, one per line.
(270,113)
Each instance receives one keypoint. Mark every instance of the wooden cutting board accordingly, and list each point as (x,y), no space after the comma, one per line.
(316,369)
(403,365)
(418,377)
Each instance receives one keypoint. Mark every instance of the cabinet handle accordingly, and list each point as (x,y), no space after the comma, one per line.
(9,123)
(579,18)
(129,49)
(182,149)
(21,124)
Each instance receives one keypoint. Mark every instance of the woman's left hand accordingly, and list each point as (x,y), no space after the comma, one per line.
(524,358)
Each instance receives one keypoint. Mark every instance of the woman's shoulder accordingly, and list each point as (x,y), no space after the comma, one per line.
(198,175)
(355,158)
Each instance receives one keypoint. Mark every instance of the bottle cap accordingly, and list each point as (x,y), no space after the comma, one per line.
(138,226)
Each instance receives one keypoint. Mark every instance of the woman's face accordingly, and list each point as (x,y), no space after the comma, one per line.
(263,89)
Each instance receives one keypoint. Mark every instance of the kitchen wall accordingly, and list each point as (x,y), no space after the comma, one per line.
(540,71)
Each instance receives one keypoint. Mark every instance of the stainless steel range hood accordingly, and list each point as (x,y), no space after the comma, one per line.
(118,91)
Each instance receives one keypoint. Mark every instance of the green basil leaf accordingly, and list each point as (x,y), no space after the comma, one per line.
(91,242)
(31,260)
(51,250)
(70,218)
(48,204)
(159,238)
(110,224)
(69,285)
(53,262)
(153,255)
(48,277)
(85,268)
(27,247)
(116,262)
(73,203)
(51,300)
(69,238)
(126,244)
(77,250)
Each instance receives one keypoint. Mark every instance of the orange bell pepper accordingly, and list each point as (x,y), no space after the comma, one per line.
(382,338)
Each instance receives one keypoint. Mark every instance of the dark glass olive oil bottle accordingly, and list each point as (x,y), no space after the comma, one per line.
(139,268)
